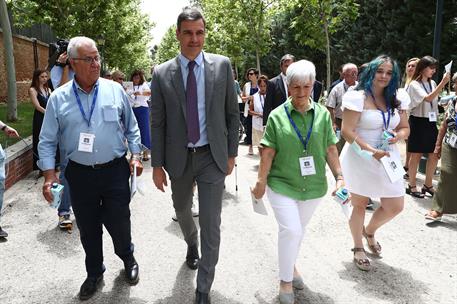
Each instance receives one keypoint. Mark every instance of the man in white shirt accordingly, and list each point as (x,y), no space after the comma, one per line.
(335,99)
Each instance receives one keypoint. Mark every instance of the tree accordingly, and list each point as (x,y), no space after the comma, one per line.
(168,47)
(318,20)
(124,28)
(401,29)
(9,58)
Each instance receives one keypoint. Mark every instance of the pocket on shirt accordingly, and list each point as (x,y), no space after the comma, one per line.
(110,113)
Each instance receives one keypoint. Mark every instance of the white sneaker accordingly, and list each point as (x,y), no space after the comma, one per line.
(194,210)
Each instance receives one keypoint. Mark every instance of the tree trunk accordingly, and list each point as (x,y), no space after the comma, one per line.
(9,58)
(258,60)
(327,42)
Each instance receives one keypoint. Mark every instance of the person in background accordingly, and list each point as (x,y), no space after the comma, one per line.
(249,89)
(10,132)
(292,168)
(372,108)
(422,120)
(277,91)
(107,75)
(335,99)
(39,93)
(256,106)
(119,77)
(139,100)
(444,200)
(340,72)
(407,78)
(239,97)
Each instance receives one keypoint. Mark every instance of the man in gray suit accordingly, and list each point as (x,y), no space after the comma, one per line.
(194,131)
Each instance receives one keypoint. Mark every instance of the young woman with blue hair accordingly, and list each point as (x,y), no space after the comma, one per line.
(373,109)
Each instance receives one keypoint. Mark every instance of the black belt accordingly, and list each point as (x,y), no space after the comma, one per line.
(198,149)
(98,166)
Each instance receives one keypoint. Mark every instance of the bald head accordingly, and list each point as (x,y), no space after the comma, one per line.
(350,72)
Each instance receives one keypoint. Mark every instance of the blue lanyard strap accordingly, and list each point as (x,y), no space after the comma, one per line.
(81,109)
(386,123)
(297,131)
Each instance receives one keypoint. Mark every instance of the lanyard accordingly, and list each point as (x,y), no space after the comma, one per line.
(297,131)
(81,106)
(386,123)
(425,88)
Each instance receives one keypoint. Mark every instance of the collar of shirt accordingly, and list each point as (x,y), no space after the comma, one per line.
(290,106)
(184,61)
(81,89)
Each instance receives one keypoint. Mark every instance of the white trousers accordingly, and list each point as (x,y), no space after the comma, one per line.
(292,217)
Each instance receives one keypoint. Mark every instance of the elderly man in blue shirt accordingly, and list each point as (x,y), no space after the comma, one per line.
(91,119)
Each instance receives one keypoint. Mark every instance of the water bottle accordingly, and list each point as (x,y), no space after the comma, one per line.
(338,133)
(56,190)
(342,197)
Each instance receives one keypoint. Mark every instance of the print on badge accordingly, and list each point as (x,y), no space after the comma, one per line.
(86,140)
(307,164)
(393,165)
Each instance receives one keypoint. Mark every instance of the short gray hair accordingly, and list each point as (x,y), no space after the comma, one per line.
(349,66)
(302,70)
(76,42)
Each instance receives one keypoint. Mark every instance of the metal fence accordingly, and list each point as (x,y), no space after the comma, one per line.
(41,32)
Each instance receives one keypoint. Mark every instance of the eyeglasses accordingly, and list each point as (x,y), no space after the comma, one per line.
(89,60)
(251,73)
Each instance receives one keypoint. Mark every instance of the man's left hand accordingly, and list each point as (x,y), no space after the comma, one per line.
(139,166)
(230,165)
(11,132)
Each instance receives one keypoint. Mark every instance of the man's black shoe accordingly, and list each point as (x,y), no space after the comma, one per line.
(201,298)
(3,233)
(192,257)
(89,287)
(132,272)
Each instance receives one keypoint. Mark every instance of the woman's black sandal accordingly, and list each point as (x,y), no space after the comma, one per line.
(415,193)
(427,189)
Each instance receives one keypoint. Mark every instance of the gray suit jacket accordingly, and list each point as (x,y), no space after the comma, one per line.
(168,114)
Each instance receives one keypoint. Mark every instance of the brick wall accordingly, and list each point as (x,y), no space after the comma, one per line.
(19,162)
(24,64)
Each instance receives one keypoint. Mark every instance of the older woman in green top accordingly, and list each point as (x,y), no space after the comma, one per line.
(298,142)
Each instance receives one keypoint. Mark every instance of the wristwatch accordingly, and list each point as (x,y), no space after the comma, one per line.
(4,127)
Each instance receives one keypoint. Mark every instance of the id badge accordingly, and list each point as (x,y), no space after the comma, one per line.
(432,116)
(307,165)
(453,140)
(86,142)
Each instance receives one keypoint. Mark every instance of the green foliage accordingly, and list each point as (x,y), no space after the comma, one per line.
(401,29)
(168,47)
(120,22)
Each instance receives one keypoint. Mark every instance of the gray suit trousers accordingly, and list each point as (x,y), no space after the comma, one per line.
(201,167)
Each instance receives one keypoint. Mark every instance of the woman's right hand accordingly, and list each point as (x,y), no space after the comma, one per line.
(259,189)
(437,151)
(378,154)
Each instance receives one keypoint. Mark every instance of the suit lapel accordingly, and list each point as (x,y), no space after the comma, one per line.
(281,86)
(209,82)
(176,79)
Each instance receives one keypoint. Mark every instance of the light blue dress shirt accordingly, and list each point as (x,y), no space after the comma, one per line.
(113,124)
(56,75)
(199,71)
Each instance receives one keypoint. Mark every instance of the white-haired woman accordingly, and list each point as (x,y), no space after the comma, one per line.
(298,142)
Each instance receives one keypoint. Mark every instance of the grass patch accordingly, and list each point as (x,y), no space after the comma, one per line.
(23,125)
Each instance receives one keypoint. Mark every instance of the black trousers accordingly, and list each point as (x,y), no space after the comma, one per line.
(101,197)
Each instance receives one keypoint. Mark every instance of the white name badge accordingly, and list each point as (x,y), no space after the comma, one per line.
(432,116)
(86,142)
(453,140)
(307,165)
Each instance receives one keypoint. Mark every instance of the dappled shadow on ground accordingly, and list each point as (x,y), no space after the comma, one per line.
(183,291)
(60,242)
(448,223)
(120,293)
(384,282)
(305,296)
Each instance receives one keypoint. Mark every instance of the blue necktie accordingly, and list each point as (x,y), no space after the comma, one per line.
(193,125)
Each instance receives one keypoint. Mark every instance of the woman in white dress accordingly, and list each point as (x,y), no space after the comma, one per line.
(256,106)
(375,107)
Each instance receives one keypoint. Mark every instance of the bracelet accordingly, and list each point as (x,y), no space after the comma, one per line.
(339,176)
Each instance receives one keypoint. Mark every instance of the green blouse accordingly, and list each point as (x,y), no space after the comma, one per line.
(285,176)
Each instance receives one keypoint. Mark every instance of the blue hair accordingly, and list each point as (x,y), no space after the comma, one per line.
(390,92)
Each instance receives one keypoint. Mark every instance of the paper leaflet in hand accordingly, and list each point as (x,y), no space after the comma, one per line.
(448,67)
(133,185)
(258,205)
(342,197)
(393,166)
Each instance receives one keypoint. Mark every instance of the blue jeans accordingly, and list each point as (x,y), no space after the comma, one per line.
(2,177)
(65,203)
